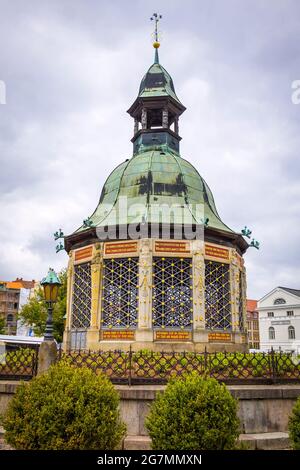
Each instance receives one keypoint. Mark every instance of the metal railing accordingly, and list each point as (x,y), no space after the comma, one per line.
(18,363)
(149,367)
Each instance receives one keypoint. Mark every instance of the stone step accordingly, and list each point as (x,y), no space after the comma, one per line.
(137,443)
(263,441)
(266,441)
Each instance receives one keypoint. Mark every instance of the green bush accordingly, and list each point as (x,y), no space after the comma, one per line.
(193,413)
(294,425)
(65,408)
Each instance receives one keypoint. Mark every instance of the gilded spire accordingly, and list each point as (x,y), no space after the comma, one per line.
(156,18)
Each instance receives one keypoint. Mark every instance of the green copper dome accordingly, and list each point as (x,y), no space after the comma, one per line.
(156,179)
(150,179)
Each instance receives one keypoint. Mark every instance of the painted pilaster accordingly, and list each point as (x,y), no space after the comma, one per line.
(198,291)
(235,289)
(244,296)
(96,274)
(144,331)
(70,276)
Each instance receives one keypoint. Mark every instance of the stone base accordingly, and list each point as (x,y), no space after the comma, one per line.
(47,356)
(144,339)
(167,346)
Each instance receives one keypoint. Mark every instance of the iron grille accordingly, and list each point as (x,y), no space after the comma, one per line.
(120,293)
(217,296)
(82,293)
(172,299)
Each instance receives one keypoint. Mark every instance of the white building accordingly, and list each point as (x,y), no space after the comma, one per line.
(279,320)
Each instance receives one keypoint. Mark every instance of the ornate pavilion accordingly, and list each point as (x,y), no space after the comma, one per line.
(168,279)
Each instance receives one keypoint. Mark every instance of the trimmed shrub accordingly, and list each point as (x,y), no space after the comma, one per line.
(64,408)
(193,413)
(294,425)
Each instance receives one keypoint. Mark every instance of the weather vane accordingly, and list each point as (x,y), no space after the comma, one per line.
(156,17)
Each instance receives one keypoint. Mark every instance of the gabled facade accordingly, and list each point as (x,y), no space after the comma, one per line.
(279,320)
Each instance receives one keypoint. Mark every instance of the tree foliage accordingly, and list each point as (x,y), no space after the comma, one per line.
(294,425)
(2,326)
(34,313)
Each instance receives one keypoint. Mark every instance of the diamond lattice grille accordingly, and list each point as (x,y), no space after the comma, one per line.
(120,293)
(217,296)
(82,293)
(172,300)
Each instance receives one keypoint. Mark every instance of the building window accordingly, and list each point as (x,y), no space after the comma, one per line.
(172,298)
(82,293)
(120,293)
(291,332)
(271,333)
(290,313)
(10,318)
(279,301)
(270,314)
(217,296)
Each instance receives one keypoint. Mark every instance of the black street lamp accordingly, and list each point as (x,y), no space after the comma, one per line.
(51,284)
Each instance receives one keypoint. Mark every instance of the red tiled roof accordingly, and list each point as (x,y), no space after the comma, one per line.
(251,305)
(20,284)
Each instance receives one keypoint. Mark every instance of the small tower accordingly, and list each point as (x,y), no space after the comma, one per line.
(131,282)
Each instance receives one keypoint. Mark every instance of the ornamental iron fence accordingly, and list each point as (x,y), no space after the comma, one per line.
(149,367)
(18,363)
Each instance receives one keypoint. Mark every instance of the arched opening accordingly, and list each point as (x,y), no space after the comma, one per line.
(291,332)
(271,332)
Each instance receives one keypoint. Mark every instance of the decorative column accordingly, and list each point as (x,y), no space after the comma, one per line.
(176,125)
(234,290)
(144,118)
(199,334)
(70,275)
(236,271)
(144,332)
(243,286)
(136,126)
(165,118)
(96,274)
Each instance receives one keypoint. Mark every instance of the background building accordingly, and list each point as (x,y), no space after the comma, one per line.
(279,320)
(252,324)
(13,295)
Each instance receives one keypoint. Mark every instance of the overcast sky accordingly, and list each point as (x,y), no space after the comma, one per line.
(73,67)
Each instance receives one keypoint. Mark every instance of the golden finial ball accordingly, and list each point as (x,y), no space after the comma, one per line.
(156,45)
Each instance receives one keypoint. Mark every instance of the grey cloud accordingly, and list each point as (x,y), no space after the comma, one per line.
(72,68)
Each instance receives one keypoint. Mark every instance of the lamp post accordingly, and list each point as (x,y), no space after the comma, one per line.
(51,284)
